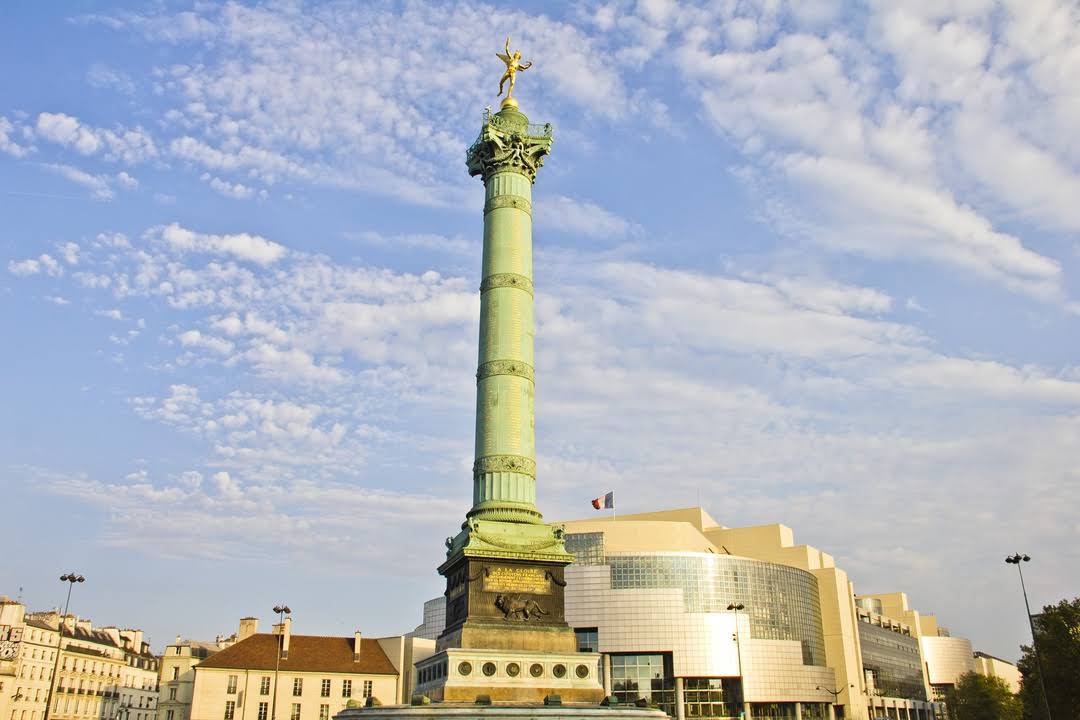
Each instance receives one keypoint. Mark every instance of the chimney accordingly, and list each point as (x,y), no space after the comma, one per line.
(113,634)
(83,626)
(356,647)
(248,627)
(284,629)
(177,639)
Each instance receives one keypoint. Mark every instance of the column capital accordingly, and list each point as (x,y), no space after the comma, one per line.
(508,142)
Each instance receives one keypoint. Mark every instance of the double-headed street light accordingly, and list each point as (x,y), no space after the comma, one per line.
(737,608)
(1016,559)
(835,695)
(282,610)
(70,578)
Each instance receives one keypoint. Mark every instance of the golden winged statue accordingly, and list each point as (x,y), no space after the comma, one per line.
(513,65)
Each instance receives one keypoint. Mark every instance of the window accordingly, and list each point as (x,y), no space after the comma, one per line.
(324,712)
(172,693)
(230,709)
(264,685)
(264,710)
(714,697)
(176,673)
(298,686)
(346,688)
(644,676)
(231,688)
(587,639)
(367,688)
(324,691)
(295,713)
(177,649)
(168,715)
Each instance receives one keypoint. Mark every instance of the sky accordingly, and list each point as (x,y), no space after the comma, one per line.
(805,262)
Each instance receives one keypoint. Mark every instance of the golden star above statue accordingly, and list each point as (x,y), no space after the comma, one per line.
(513,66)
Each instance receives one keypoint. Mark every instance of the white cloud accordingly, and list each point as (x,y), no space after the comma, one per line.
(244,246)
(582,218)
(884,216)
(104,77)
(194,338)
(112,314)
(273,112)
(70,252)
(292,364)
(876,135)
(423,241)
(98,185)
(124,144)
(234,190)
(8,145)
(42,264)
(57,300)
(127,180)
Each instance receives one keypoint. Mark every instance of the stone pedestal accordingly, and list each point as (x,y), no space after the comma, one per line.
(461,711)
(510,676)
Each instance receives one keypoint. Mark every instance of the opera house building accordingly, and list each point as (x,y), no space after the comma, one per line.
(704,620)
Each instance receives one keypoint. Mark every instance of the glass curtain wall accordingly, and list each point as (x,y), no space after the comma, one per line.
(782,602)
(644,677)
(712,697)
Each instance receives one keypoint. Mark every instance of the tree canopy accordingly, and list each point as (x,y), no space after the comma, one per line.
(1057,632)
(982,697)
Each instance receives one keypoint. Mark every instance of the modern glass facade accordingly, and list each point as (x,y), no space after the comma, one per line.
(893,660)
(712,697)
(644,677)
(782,602)
(776,711)
(587,548)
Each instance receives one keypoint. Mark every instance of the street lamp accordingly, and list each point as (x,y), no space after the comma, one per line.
(282,610)
(70,578)
(737,608)
(1016,560)
(835,696)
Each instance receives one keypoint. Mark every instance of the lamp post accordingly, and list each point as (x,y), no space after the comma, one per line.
(282,610)
(737,608)
(1016,559)
(70,578)
(835,695)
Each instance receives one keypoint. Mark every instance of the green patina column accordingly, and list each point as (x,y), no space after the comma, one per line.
(506,638)
(506,156)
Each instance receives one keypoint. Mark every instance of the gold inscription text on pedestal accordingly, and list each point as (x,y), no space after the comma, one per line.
(517,580)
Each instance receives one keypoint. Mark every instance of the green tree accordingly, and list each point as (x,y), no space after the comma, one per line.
(981,697)
(1057,631)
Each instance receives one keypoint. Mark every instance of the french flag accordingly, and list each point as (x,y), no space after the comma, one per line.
(605,502)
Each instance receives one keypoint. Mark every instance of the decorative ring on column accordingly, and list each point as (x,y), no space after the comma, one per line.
(505,463)
(505,367)
(508,201)
(507,280)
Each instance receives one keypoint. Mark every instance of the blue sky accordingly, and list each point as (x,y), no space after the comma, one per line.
(809,262)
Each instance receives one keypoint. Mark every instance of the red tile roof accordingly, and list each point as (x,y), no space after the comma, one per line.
(307,653)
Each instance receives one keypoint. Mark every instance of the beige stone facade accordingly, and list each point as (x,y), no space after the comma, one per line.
(284,676)
(104,673)
(177,687)
(27,654)
(996,667)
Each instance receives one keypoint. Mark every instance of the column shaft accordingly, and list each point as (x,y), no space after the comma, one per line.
(504,476)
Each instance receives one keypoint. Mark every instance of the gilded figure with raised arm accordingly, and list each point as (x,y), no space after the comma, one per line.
(513,65)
